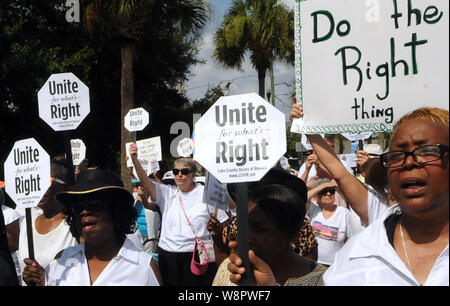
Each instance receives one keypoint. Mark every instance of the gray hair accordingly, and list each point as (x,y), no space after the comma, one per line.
(320,182)
(188,162)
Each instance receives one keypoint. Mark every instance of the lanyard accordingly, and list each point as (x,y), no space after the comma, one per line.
(189,222)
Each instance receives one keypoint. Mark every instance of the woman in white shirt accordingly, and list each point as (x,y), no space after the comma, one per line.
(178,204)
(99,211)
(330,222)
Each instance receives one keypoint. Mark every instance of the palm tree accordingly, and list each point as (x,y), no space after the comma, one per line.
(124,22)
(262,27)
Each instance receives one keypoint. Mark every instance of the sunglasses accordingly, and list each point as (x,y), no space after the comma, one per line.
(89,205)
(332,191)
(184,171)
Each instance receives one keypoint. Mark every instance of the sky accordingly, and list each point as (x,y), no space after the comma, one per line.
(212,73)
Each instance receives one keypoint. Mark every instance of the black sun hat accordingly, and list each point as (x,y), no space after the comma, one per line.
(278,176)
(96,184)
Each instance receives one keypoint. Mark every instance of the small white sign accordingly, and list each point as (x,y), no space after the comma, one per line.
(185,147)
(148,150)
(63,102)
(349,161)
(27,173)
(78,151)
(215,193)
(240,138)
(136,120)
(305,142)
(357,136)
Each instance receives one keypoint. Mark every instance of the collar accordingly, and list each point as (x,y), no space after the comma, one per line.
(128,251)
(373,241)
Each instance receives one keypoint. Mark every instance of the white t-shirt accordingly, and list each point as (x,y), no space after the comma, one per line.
(9,214)
(330,233)
(368,259)
(312,172)
(46,246)
(176,234)
(131,267)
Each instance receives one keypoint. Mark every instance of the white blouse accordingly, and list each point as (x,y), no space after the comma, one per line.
(131,267)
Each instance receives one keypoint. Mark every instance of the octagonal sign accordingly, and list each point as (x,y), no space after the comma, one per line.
(63,102)
(27,173)
(240,138)
(136,120)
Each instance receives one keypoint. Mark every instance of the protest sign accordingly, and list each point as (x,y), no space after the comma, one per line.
(63,102)
(136,120)
(27,173)
(248,137)
(215,193)
(246,134)
(185,147)
(361,65)
(149,150)
(27,178)
(78,151)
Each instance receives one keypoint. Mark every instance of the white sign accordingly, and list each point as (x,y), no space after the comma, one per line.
(215,194)
(148,150)
(27,173)
(240,138)
(78,151)
(349,161)
(361,65)
(357,136)
(63,102)
(185,147)
(305,142)
(136,120)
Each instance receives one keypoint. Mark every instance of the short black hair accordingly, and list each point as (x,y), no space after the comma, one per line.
(283,205)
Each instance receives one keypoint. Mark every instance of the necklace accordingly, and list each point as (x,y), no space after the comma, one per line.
(404,246)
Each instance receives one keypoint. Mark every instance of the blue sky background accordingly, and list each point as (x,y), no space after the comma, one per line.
(246,81)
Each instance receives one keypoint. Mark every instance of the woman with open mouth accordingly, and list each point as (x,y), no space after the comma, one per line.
(100,212)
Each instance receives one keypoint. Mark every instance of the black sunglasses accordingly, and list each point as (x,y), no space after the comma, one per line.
(184,171)
(332,191)
(89,205)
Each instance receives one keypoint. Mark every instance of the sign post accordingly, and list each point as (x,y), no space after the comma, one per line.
(63,104)
(27,178)
(247,134)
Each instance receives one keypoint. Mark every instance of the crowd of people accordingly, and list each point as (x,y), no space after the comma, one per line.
(322,225)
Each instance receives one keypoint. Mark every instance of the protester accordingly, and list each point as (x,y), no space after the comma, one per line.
(367,204)
(101,211)
(179,206)
(408,245)
(276,212)
(8,276)
(50,233)
(330,222)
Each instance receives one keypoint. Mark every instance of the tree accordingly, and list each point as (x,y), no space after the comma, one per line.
(124,22)
(262,27)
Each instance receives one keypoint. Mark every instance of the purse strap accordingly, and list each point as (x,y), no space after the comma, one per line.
(189,222)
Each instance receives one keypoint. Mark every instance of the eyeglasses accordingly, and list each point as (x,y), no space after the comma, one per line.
(184,171)
(422,155)
(325,191)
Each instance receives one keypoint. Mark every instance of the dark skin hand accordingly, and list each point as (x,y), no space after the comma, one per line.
(33,274)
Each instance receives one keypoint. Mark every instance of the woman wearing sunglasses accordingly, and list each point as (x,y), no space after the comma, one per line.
(178,204)
(100,211)
(330,222)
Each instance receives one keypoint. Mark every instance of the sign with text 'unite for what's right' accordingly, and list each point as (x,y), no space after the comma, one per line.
(63,102)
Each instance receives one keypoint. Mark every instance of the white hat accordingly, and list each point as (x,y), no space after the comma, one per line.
(373,148)
(168,176)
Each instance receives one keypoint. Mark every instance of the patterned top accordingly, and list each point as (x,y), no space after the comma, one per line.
(314,278)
